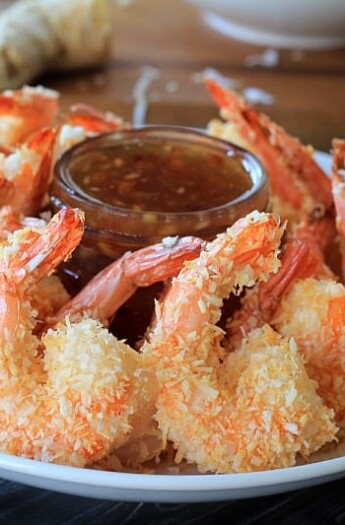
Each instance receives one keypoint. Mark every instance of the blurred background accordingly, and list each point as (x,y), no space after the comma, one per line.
(287,58)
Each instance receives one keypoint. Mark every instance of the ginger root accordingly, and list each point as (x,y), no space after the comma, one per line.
(40,35)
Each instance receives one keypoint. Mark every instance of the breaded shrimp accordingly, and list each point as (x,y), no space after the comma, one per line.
(104,295)
(92,120)
(73,405)
(74,402)
(223,416)
(49,294)
(10,221)
(298,184)
(313,312)
(302,257)
(302,301)
(81,122)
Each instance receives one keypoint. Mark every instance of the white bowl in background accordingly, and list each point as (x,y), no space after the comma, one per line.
(297,24)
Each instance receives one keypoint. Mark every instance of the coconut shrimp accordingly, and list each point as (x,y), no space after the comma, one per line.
(259,408)
(313,312)
(49,294)
(92,120)
(75,403)
(24,112)
(298,184)
(72,405)
(24,174)
(302,301)
(302,257)
(103,296)
(81,122)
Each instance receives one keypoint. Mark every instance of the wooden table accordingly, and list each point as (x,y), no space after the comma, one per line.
(171,38)
(168,43)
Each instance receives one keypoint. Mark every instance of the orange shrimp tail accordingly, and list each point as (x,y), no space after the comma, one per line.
(299,261)
(40,253)
(92,120)
(316,231)
(110,288)
(159,262)
(302,257)
(287,161)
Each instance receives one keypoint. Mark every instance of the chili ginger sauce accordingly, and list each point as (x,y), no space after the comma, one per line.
(169,177)
(157,182)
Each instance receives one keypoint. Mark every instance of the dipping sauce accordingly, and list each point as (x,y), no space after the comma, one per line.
(169,177)
(137,186)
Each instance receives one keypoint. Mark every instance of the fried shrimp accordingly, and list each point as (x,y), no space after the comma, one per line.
(223,416)
(103,296)
(92,120)
(49,294)
(298,184)
(302,301)
(72,405)
(74,402)
(10,221)
(313,313)
(302,257)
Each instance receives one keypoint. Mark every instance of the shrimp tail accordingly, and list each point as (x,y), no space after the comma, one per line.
(111,288)
(92,120)
(293,173)
(42,251)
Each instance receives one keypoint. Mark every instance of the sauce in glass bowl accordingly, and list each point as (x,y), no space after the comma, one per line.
(137,186)
(170,176)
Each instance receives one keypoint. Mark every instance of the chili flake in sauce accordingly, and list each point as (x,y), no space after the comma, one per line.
(169,177)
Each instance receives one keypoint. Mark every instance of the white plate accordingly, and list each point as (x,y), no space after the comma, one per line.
(174,488)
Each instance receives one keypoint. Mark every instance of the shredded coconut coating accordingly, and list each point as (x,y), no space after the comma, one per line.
(72,406)
(313,312)
(259,408)
(258,412)
(69,397)
(48,296)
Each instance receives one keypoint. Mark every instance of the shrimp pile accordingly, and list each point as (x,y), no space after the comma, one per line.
(258,391)
(258,407)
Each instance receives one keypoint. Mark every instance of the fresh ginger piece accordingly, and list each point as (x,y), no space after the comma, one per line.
(40,35)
